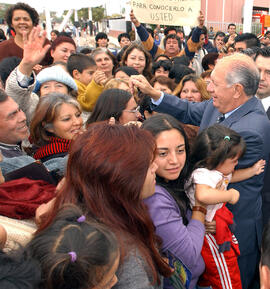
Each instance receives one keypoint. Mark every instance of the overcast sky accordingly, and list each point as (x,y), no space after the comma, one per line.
(114,6)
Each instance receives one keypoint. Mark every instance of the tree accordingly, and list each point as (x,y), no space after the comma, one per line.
(98,13)
(82,14)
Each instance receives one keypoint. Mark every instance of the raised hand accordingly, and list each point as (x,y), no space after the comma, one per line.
(231,40)
(133,19)
(33,50)
(201,20)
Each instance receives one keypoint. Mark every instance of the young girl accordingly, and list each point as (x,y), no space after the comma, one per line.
(75,253)
(215,155)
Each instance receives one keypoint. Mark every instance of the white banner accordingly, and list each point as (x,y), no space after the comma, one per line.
(169,12)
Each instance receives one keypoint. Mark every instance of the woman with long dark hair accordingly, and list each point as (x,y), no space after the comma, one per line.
(110,170)
(181,230)
(116,103)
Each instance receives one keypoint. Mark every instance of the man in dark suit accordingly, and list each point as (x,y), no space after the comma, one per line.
(234,83)
(262,61)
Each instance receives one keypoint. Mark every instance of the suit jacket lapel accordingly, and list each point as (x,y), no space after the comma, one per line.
(210,117)
(268,112)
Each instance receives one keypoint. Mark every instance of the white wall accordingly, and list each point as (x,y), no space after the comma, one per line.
(117,24)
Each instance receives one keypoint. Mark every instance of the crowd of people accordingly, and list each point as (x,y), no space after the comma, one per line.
(142,168)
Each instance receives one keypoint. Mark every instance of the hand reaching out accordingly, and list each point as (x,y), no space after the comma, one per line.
(258,167)
(140,82)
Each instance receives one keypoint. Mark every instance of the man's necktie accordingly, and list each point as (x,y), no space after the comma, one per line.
(220,118)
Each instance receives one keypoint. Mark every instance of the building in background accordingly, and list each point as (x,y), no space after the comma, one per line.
(222,12)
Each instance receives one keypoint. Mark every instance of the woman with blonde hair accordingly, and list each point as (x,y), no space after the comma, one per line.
(123,84)
(56,122)
(192,88)
(117,83)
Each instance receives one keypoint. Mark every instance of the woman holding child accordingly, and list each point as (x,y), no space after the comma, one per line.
(180,228)
(212,162)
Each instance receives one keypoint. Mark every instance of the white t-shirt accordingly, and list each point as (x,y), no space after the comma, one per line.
(210,178)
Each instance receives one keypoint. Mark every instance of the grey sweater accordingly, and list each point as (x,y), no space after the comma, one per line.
(134,273)
(25,97)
